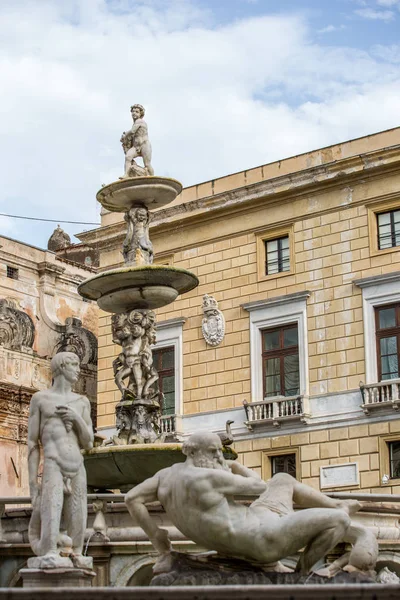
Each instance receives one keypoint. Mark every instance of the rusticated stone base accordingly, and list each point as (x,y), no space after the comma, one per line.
(213,570)
(56,578)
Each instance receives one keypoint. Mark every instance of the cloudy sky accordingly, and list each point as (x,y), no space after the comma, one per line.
(227,85)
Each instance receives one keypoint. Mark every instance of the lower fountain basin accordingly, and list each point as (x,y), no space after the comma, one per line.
(122,467)
(147,287)
(153,192)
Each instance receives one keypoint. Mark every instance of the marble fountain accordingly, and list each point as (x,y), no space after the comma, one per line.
(131,293)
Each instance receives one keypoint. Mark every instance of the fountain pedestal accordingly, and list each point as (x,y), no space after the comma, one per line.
(131,293)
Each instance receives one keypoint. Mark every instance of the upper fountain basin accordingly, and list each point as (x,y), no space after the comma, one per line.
(145,287)
(153,192)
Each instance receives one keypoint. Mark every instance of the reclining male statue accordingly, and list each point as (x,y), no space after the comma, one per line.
(198,497)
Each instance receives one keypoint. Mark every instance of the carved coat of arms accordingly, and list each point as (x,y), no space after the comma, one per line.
(213,325)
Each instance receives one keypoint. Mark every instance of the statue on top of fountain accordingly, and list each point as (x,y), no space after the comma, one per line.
(135,332)
(135,143)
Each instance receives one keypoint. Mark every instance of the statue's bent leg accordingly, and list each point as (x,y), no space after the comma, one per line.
(319,529)
(364,552)
(75,510)
(129,157)
(52,496)
(278,496)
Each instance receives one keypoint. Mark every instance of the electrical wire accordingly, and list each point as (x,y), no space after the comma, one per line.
(49,220)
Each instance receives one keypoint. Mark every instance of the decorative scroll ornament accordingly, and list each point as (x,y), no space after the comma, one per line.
(213,325)
(79,340)
(17,330)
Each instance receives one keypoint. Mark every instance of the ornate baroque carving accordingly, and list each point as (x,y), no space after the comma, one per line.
(213,325)
(79,340)
(17,330)
(135,332)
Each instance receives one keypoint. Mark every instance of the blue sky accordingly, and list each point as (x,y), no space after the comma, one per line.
(227,85)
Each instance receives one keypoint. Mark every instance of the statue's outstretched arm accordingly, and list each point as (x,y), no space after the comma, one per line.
(136,500)
(237,485)
(239,469)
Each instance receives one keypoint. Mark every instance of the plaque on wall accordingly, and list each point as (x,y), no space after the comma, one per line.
(339,475)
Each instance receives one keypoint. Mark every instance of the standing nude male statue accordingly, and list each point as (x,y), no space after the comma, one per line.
(60,420)
(135,142)
(198,496)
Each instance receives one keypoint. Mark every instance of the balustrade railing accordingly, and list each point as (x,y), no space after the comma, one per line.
(168,424)
(384,393)
(274,410)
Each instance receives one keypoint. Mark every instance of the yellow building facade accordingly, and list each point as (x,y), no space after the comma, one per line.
(303,258)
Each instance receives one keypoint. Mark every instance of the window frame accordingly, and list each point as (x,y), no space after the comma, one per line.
(280,353)
(165,373)
(14,272)
(264,236)
(170,333)
(377,291)
(385,333)
(392,228)
(279,251)
(389,445)
(373,210)
(266,462)
(277,311)
(285,456)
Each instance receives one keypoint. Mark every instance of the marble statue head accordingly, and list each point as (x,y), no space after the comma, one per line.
(204,450)
(66,364)
(137,111)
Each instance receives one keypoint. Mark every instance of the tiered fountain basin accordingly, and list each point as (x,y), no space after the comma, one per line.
(121,467)
(152,192)
(144,287)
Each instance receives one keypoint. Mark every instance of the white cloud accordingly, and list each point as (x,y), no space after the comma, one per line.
(218,98)
(375,15)
(388,3)
(331,28)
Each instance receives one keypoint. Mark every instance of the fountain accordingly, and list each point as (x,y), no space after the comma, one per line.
(131,293)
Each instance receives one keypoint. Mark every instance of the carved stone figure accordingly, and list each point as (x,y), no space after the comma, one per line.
(135,332)
(137,248)
(135,142)
(59,239)
(17,331)
(79,340)
(60,420)
(213,325)
(198,498)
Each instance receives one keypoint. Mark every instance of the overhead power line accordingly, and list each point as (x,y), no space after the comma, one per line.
(48,220)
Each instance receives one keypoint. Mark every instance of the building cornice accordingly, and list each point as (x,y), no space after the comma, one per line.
(276,300)
(377,279)
(267,192)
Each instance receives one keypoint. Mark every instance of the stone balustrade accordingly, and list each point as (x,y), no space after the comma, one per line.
(383,395)
(275,411)
(168,424)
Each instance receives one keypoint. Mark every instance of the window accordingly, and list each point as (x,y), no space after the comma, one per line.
(394,459)
(388,229)
(280,356)
(164,362)
(284,463)
(269,315)
(277,258)
(388,341)
(12,272)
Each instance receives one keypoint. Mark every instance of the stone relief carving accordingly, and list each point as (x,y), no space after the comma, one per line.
(213,325)
(135,142)
(17,331)
(79,340)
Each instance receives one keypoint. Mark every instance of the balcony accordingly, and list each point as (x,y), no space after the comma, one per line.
(382,396)
(275,411)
